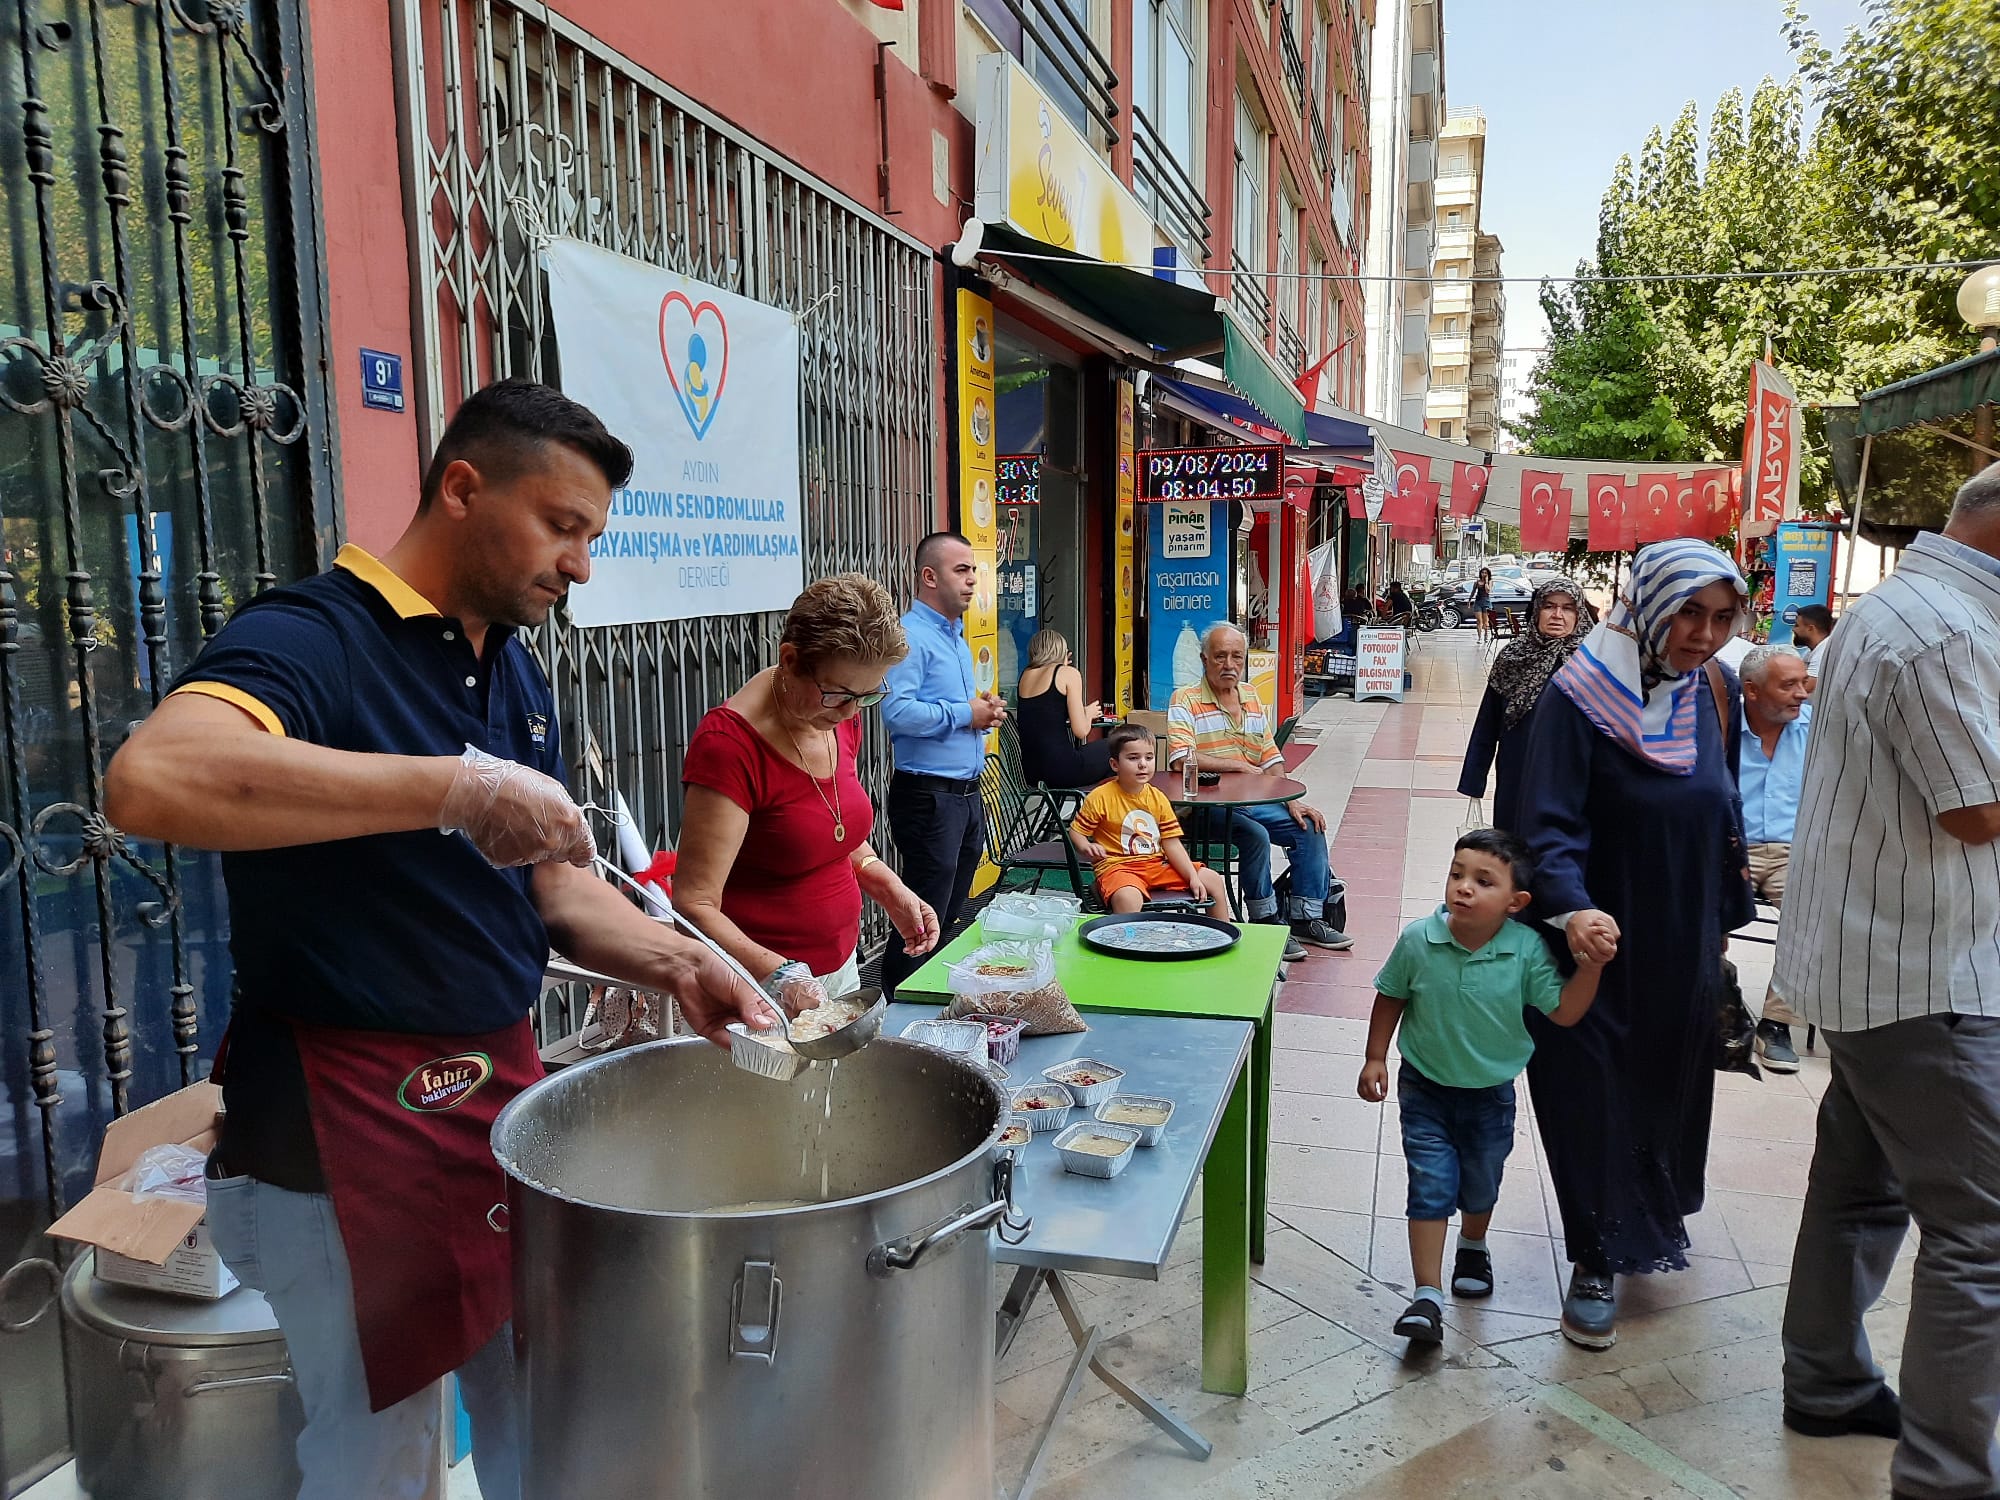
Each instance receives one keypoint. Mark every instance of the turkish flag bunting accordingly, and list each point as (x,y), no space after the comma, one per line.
(1413,509)
(1545,509)
(1468,488)
(1716,504)
(1657,516)
(887,4)
(1612,498)
(1357,503)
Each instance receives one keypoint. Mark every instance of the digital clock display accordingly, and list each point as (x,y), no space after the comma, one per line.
(1017,479)
(1212,473)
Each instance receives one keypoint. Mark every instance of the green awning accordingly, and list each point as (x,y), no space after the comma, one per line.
(1935,396)
(1245,366)
(1148,310)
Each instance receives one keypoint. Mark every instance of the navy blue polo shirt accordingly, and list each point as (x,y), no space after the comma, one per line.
(405,932)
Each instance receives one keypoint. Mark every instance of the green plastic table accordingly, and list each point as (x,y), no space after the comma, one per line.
(1239,985)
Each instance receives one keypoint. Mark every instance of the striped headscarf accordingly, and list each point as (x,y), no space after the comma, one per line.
(1618,676)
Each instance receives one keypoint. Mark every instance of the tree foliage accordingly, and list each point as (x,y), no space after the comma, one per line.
(1903,165)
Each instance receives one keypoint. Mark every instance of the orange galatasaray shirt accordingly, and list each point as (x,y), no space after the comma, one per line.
(1132,829)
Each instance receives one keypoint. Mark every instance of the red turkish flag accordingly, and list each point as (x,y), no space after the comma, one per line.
(1610,500)
(1715,503)
(1357,502)
(1655,513)
(1545,510)
(1468,489)
(1414,506)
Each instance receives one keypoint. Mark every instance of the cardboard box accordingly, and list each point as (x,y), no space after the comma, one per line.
(161,1244)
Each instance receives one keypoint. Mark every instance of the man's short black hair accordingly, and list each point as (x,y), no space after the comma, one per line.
(1505,847)
(1818,616)
(927,549)
(1125,734)
(504,429)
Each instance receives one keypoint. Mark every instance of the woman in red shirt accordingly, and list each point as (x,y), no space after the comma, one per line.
(774,852)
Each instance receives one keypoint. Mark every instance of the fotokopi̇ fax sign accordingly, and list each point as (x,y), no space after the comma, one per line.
(704,386)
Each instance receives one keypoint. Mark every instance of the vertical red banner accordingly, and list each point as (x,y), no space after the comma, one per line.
(1545,511)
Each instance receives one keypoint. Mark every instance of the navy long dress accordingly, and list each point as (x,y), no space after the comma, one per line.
(1490,734)
(1623,1098)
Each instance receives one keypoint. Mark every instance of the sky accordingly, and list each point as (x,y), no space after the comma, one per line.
(1569,86)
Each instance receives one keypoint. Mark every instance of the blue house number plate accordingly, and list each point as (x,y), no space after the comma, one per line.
(382,380)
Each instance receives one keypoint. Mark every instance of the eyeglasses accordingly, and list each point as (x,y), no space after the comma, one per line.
(841,697)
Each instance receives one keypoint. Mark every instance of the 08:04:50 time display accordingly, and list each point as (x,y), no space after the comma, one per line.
(1207,487)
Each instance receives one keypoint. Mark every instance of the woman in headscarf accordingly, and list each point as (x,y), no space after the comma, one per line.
(1523,668)
(1629,803)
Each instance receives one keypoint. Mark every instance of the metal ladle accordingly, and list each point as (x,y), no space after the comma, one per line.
(839,1042)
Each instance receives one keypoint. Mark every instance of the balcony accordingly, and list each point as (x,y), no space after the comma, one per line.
(1483,345)
(1489,306)
(1483,384)
(1423,96)
(1322,143)
(1291,349)
(1064,60)
(1412,415)
(1450,349)
(1423,161)
(1288,48)
(1451,297)
(1459,190)
(1170,195)
(1250,298)
(1416,331)
(1445,403)
(1417,250)
(1454,244)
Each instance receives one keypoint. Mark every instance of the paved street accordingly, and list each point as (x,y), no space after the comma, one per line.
(1687,1404)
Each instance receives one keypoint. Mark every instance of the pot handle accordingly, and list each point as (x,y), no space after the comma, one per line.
(908,1252)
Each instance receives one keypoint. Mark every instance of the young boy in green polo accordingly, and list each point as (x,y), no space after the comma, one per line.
(1458,982)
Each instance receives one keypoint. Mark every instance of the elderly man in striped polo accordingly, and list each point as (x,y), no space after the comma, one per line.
(1221,722)
(1890,943)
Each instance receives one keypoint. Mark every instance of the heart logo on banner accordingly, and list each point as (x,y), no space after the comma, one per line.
(694,346)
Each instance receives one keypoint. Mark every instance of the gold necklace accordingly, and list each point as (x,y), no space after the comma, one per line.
(833,806)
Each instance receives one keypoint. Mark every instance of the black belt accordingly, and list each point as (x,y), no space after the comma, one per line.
(962,788)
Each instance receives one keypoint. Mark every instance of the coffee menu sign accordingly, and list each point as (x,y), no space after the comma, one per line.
(1190,474)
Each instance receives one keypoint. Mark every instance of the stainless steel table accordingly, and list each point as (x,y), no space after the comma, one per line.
(1126,1226)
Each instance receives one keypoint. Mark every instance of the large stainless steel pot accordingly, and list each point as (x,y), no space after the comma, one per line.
(176,1399)
(838,1350)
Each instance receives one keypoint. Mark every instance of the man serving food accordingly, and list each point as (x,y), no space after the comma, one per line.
(375,754)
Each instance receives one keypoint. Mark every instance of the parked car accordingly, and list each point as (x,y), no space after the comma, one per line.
(1511,590)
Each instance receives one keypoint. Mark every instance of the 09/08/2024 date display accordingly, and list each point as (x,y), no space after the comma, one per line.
(1212,473)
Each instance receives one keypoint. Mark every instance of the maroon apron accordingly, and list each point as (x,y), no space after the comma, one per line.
(402,1123)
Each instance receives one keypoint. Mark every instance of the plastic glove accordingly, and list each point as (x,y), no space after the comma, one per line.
(514,816)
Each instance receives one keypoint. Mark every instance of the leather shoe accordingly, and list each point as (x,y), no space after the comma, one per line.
(1881,1415)
(1590,1314)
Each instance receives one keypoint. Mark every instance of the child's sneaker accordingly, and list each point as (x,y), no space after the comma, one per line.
(1422,1322)
(1472,1273)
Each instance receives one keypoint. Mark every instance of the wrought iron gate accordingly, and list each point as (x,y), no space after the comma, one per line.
(518,126)
(163,454)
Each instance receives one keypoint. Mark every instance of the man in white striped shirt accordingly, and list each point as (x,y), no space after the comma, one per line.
(1890,943)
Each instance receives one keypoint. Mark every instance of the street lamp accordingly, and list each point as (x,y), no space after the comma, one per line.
(1979,305)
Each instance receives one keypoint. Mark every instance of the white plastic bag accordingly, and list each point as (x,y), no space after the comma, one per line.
(1013,979)
(1475,817)
(176,1172)
(1029,916)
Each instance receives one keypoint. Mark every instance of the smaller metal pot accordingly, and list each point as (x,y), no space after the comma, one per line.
(177,1399)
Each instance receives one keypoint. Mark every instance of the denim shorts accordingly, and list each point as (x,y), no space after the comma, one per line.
(1456,1142)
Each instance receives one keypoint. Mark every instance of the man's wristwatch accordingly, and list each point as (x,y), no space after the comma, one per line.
(788,972)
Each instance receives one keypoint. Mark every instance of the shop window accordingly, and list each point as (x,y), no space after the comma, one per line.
(1248,226)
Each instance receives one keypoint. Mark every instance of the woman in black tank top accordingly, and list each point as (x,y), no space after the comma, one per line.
(1052,717)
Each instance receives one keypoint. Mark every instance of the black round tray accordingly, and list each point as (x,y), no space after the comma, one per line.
(1099,933)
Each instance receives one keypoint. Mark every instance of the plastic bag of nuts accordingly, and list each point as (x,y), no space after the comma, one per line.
(1013,979)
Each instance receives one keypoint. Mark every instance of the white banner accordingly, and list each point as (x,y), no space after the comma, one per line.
(704,385)
(1770,452)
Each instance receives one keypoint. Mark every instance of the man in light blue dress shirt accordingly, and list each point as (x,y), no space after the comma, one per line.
(1776,719)
(937,714)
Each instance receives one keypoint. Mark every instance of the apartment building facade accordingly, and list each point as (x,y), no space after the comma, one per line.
(1405,115)
(1468,303)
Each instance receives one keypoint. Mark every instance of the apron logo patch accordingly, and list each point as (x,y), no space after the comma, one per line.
(446,1083)
(538,729)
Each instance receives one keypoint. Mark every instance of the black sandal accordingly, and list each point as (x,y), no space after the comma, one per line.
(1472,1273)
(1422,1322)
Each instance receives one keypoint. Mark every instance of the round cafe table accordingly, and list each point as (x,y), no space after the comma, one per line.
(1213,803)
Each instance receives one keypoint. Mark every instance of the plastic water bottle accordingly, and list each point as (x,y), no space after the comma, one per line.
(1190,777)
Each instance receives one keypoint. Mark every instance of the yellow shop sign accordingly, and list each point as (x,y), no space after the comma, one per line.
(1039,177)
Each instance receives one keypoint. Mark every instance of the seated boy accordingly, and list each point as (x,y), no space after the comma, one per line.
(1126,828)
(1458,981)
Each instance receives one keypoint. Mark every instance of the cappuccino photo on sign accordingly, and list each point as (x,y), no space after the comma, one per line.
(704,386)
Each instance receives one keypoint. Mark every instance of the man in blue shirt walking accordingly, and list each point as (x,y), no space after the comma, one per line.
(1776,718)
(937,718)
